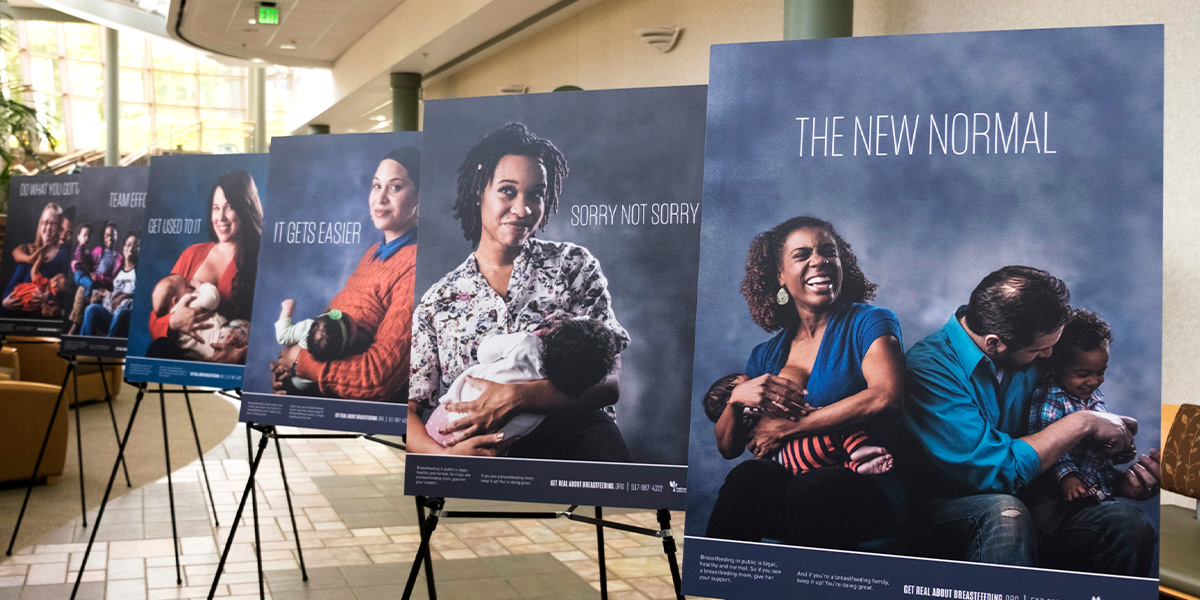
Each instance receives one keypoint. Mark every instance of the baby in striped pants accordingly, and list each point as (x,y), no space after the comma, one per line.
(853,451)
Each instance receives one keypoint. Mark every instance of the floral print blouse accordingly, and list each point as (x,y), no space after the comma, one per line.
(461,309)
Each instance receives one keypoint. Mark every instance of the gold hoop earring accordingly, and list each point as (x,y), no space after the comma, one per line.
(782,297)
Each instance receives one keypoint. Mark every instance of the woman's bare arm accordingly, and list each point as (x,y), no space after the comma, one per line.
(732,437)
(883,370)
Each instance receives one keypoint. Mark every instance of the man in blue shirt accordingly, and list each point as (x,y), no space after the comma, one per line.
(969,387)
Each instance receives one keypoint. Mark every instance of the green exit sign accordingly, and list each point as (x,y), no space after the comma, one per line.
(268,14)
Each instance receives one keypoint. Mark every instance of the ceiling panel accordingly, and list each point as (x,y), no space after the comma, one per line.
(321,30)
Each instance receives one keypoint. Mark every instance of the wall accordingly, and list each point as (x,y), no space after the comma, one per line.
(598,49)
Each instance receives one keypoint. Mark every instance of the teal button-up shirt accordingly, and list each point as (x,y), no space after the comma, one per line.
(965,419)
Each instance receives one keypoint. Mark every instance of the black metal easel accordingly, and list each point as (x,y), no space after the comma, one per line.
(250,492)
(123,440)
(436,511)
(72,375)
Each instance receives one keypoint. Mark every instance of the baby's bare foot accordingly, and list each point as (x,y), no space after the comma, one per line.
(876,466)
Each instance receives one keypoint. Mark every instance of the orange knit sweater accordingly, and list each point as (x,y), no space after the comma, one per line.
(379,298)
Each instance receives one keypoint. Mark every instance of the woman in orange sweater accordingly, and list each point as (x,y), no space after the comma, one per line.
(377,300)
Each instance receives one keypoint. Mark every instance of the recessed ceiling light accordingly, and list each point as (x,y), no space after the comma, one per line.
(257,60)
(253,22)
(351,131)
(287,46)
(378,118)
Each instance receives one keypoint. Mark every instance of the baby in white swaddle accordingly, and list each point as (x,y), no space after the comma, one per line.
(573,353)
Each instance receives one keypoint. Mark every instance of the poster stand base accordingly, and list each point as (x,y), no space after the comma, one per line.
(436,511)
(250,493)
(71,375)
(120,461)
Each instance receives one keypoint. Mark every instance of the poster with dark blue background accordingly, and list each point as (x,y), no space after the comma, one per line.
(621,251)
(199,256)
(40,226)
(333,304)
(939,159)
(111,205)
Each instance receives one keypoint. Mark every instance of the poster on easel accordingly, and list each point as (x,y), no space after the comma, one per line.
(104,266)
(39,245)
(556,294)
(334,299)
(930,304)
(199,256)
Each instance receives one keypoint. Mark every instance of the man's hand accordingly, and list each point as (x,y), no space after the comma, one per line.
(1113,432)
(496,404)
(1141,480)
(772,395)
(1072,487)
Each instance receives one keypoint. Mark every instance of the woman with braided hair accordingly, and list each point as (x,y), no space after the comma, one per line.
(508,186)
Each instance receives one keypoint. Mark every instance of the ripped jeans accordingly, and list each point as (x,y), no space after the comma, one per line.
(1112,537)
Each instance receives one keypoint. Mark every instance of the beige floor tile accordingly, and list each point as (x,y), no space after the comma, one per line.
(12,581)
(133,589)
(36,559)
(46,574)
(645,566)
(141,548)
(126,568)
(615,585)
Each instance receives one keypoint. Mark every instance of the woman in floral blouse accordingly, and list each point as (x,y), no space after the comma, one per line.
(508,186)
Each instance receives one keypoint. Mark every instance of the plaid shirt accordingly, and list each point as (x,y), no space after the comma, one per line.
(1090,463)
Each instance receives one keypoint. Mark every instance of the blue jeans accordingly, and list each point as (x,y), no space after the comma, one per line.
(97,321)
(1112,537)
(986,528)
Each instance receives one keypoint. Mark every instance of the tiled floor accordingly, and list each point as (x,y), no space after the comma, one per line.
(357,529)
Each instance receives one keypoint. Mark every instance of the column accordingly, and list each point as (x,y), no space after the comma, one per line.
(815,19)
(406,94)
(112,98)
(258,108)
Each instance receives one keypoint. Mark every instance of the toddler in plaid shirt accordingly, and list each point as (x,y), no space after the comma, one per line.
(1085,475)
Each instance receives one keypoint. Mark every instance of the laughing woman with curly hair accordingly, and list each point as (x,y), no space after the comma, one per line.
(834,366)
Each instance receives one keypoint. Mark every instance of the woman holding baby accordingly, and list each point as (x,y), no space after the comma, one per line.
(46,251)
(508,186)
(228,261)
(374,309)
(834,366)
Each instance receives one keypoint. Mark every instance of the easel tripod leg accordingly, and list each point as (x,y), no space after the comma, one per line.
(600,551)
(237,517)
(37,465)
(162,403)
(113,415)
(187,398)
(74,369)
(262,592)
(429,581)
(287,493)
(108,490)
(435,509)
(664,522)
